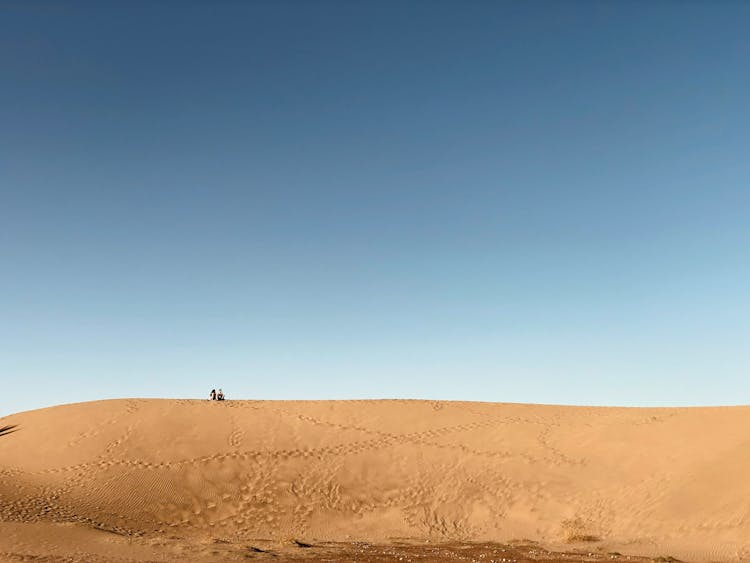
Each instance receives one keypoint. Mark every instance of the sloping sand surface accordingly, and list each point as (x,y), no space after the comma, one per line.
(115,477)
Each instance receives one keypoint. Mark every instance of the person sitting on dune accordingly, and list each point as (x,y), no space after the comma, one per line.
(213,395)
(220,395)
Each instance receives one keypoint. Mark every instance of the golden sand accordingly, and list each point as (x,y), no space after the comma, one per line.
(164,480)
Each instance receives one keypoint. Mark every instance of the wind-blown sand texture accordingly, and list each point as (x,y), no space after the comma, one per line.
(137,480)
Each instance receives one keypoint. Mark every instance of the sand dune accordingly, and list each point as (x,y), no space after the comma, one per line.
(130,478)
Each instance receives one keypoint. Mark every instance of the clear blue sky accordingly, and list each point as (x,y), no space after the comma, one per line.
(503,201)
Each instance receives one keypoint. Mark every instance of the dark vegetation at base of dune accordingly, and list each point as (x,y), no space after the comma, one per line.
(363,552)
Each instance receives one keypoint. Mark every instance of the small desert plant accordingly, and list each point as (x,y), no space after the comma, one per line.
(575,531)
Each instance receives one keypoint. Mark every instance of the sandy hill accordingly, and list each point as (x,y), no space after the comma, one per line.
(654,481)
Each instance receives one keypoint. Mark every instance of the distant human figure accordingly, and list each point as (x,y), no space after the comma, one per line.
(220,395)
(213,394)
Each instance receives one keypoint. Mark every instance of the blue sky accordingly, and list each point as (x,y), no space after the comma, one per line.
(502,201)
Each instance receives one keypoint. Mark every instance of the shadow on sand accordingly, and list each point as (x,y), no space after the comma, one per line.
(5,430)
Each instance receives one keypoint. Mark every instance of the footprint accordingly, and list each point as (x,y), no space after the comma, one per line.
(235,438)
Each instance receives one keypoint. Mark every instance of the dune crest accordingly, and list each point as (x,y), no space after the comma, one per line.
(645,480)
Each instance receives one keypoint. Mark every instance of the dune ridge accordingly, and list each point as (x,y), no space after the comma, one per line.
(649,481)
